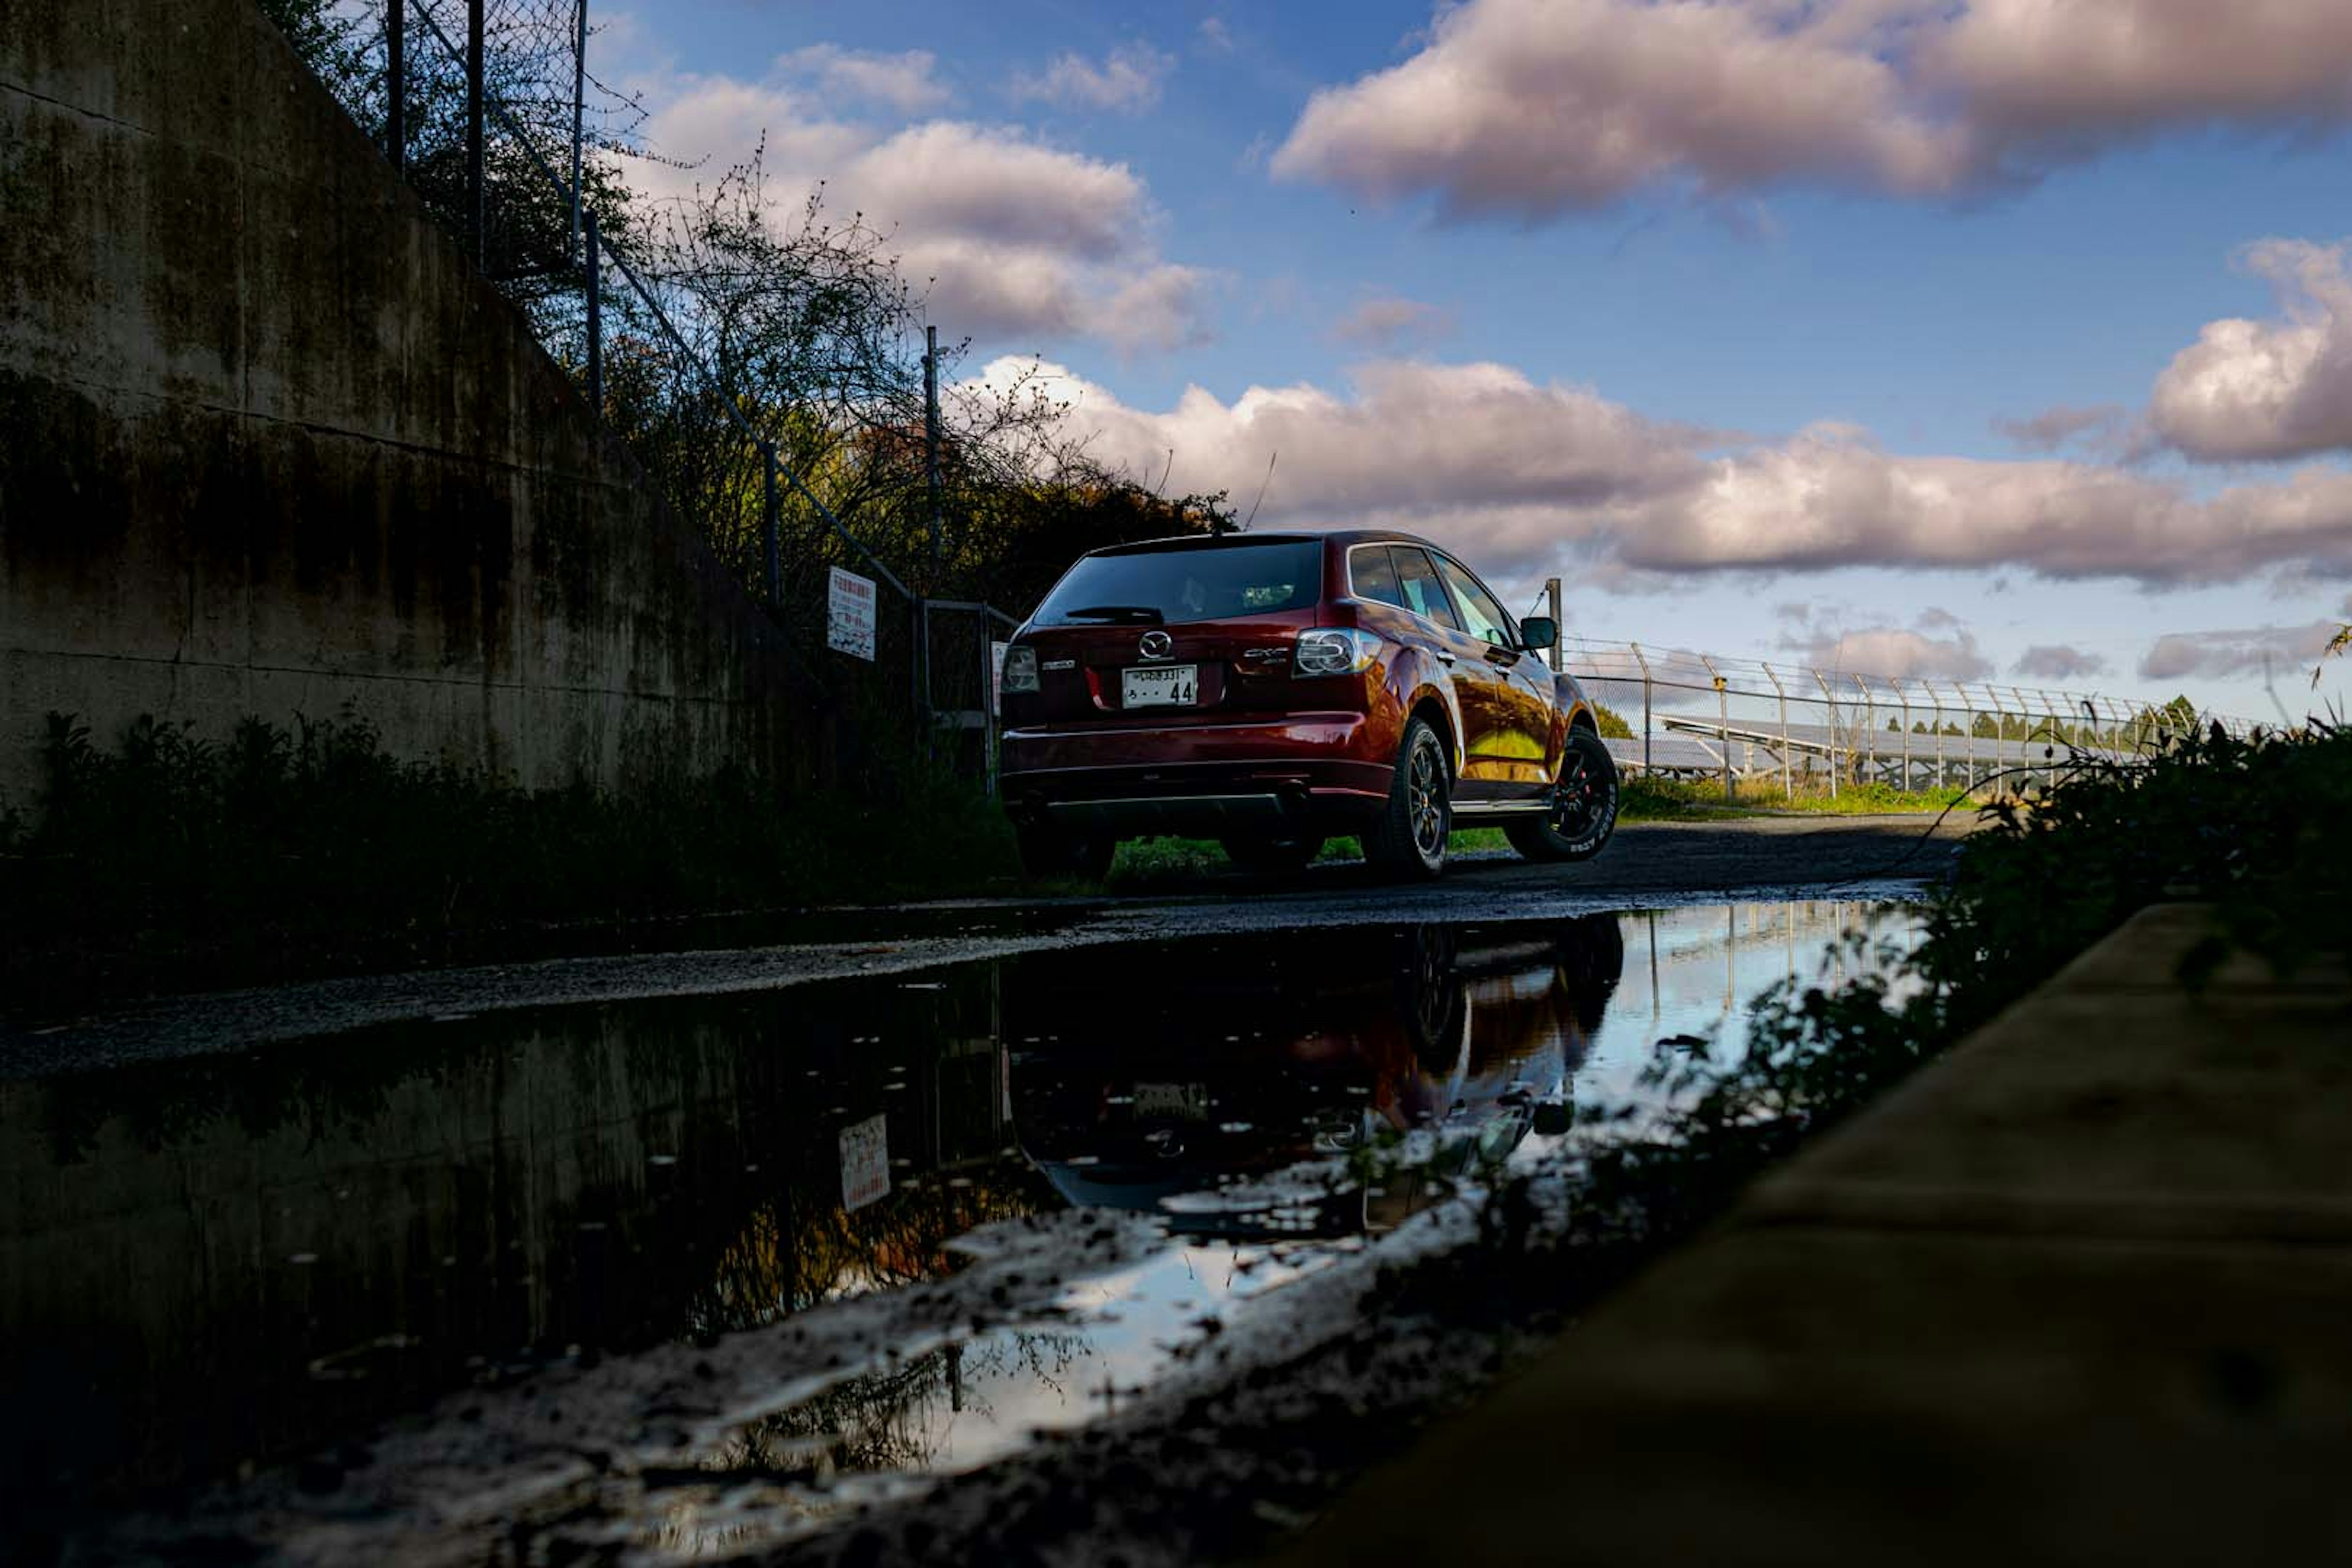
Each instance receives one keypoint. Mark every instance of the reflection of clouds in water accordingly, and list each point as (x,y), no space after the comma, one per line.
(1700,972)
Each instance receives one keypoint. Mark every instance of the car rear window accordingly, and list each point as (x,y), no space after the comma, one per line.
(1187,583)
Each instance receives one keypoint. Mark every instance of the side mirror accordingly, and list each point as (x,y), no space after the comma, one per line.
(1538,632)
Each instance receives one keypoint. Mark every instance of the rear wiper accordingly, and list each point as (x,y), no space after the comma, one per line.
(1132,614)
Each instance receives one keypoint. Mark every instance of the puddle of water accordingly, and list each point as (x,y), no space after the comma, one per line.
(339,1230)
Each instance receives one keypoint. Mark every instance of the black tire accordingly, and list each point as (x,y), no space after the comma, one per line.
(1409,837)
(1272,856)
(1584,806)
(1049,855)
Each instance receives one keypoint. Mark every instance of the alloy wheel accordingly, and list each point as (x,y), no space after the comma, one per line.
(1425,800)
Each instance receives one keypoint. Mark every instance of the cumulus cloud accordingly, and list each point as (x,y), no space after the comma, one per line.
(1129,80)
(1528,109)
(900,81)
(1538,475)
(1215,36)
(2218,656)
(2268,389)
(1895,651)
(2056,661)
(1012,236)
(1389,324)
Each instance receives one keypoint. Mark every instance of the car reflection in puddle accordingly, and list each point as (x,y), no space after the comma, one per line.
(1137,1087)
(1238,1088)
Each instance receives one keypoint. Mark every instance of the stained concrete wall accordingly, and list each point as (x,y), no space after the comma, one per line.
(270,445)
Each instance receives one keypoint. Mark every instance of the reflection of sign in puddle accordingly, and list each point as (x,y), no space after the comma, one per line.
(865,1162)
(1186,1101)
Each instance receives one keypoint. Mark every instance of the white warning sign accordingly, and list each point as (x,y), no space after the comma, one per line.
(849,614)
(865,1162)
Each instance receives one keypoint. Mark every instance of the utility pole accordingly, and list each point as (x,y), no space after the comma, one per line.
(931,428)
(1551,602)
(474,198)
(395,72)
(579,110)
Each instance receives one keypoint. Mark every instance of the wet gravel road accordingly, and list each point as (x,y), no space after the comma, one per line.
(820,1242)
(1648,865)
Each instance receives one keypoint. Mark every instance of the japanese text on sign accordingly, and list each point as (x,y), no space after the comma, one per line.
(849,614)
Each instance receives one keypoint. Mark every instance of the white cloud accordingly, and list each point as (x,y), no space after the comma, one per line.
(2057,661)
(1215,36)
(1894,651)
(1014,238)
(899,81)
(2268,389)
(2218,656)
(1387,323)
(1128,80)
(1541,476)
(1528,109)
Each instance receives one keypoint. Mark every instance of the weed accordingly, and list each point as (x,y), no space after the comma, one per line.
(279,852)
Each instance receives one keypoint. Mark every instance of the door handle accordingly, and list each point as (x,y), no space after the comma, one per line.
(1444,657)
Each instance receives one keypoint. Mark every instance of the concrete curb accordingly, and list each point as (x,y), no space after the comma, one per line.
(2074,1293)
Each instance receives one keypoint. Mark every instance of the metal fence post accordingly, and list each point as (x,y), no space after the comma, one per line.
(931,431)
(1829,703)
(1905,698)
(768,542)
(476,213)
(395,77)
(1942,778)
(1552,603)
(1722,723)
(1869,727)
(593,280)
(1788,784)
(1645,663)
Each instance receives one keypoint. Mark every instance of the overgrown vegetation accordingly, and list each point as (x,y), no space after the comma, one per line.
(2261,827)
(171,860)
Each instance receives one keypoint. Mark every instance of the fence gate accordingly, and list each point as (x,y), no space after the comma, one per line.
(963,647)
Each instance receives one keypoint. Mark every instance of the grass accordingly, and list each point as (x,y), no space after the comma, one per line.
(1656,799)
(169,861)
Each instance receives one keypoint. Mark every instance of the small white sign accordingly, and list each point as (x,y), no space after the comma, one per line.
(865,1162)
(849,614)
(996,676)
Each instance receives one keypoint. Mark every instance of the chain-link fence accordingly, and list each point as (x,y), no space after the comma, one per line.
(490,110)
(1801,729)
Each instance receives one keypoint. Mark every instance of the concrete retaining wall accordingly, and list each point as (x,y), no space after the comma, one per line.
(269,445)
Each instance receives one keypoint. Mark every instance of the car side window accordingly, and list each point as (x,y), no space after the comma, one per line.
(1424,596)
(1373,575)
(1486,618)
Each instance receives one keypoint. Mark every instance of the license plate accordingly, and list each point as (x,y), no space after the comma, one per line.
(1161,686)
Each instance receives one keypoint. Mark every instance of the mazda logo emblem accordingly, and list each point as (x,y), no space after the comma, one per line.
(1157,644)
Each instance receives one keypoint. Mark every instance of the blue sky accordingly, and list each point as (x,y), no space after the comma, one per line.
(1718,307)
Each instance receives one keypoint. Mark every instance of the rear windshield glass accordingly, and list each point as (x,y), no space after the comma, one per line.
(1164,587)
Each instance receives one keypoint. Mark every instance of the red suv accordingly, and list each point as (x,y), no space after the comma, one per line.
(1273,690)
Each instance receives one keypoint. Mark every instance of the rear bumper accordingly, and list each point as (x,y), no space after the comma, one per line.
(1299,772)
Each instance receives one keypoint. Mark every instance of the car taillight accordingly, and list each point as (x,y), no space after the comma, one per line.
(1336,650)
(1020,669)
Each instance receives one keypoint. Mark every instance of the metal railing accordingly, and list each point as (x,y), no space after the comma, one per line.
(1810,729)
